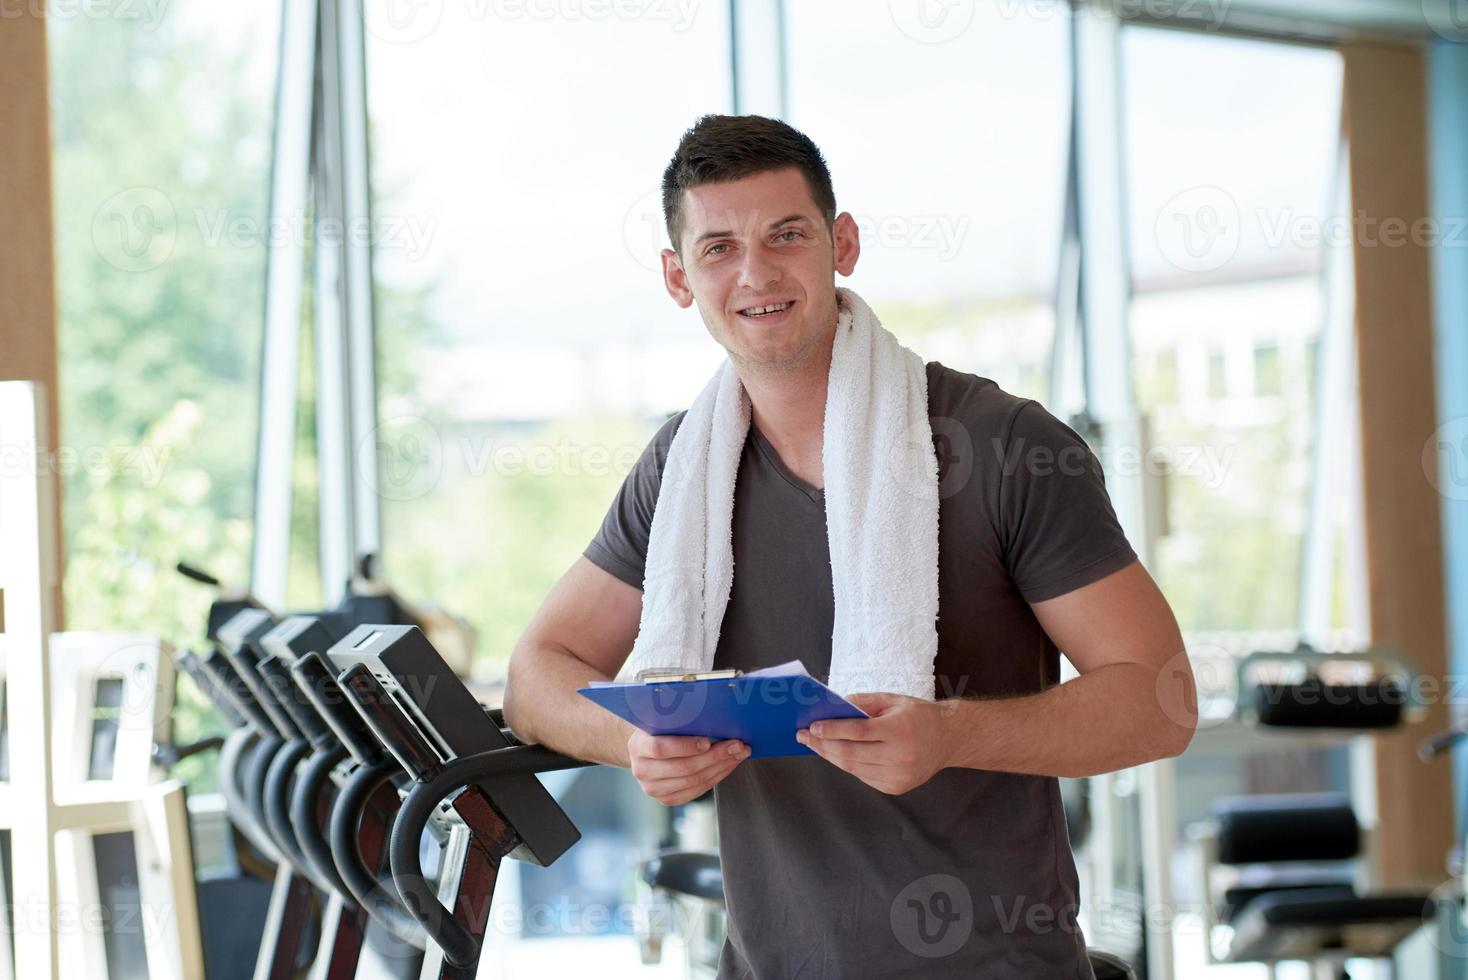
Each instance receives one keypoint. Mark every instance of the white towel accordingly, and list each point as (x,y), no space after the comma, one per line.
(881,518)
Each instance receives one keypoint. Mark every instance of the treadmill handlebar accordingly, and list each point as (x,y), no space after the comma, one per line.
(420,898)
(318,681)
(230,689)
(246,663)
(390,722)
(208,686)
(376,897)
(303,805)
(281,684)
(1435,745)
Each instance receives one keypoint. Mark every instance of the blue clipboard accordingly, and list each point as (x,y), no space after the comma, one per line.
(763,709)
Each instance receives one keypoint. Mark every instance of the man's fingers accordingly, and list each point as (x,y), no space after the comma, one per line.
(847,753)
(717,758)
(851,729)
(672,790)
(672,746)
(651,767)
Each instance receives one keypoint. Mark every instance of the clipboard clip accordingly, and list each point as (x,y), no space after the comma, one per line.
(659,675)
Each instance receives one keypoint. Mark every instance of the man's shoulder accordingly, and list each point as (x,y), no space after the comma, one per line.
(978,404)
(663,437)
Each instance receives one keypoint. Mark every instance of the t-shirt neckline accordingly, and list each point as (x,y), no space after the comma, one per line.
(817,494)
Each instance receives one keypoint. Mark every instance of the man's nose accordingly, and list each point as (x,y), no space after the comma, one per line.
(759,268)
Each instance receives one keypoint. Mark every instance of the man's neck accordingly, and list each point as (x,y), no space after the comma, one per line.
(789,409)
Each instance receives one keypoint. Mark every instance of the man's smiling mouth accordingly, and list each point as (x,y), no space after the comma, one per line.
(767,310)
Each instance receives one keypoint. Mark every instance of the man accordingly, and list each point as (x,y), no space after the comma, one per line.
(927,840)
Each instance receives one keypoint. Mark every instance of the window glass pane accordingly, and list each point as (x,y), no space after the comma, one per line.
(1225,185)
(303,569)
(1229,176)
(161,138)
(161,128)
(1266,370)
(121,905)
(106,719)
(956,177)
(527,348)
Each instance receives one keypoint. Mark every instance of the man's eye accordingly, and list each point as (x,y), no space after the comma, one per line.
(789,231)
(711,248)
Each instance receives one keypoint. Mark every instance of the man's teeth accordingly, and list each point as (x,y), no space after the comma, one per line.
(761,310)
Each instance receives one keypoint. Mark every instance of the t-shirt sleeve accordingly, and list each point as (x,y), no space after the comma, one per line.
(1059,529)
(620,545)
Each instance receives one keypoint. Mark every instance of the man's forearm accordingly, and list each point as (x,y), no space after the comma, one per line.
(1110,718)
(542,706)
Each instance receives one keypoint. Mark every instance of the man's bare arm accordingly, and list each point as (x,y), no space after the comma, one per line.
(1134,701)
(583,631)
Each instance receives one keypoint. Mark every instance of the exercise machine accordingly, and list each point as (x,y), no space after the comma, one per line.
(1283,874)
(473,785)
(362,935)
(123,846)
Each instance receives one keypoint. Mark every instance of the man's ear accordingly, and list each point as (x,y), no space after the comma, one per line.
(675,280)
(847,241)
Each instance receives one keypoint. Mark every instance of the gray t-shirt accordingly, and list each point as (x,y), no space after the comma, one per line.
(971,874)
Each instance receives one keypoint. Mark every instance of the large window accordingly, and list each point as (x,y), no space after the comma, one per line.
(161,128)
(1230,187)
(527,348)
(956,176)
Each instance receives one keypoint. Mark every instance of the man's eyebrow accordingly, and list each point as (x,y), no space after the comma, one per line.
(787,220)
(773,225)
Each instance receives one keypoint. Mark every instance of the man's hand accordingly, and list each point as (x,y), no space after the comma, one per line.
(674,769)
(903,745)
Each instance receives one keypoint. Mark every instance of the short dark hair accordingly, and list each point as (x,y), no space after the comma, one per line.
(724,148)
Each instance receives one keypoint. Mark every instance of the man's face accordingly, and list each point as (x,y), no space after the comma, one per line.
(756,243)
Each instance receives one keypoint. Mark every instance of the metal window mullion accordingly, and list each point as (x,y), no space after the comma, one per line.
(736,106)
(334,502)
(360,318)
(1334,423)
(1105,288)
(782,56)
(284,270)
(1065,395)
(1104,273)
(757,30)
(28,565)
